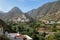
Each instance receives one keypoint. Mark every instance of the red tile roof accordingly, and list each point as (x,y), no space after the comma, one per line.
(20,36)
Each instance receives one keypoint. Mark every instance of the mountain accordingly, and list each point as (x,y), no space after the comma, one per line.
(2,14)
(47,9)
(15,14)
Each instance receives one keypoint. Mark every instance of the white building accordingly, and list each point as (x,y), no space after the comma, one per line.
(58,22)
(52,22)
(17,36)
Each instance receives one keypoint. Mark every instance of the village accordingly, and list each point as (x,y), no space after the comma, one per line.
(15,36)
(29,19)
(45,28)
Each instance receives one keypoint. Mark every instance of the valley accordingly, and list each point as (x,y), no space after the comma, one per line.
(42,23)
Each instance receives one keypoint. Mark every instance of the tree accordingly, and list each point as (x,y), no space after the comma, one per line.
(57,36)
(53,27)
(50,37)
(3,37)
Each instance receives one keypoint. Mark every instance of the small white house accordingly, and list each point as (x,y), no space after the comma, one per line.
(11,34)
(58,22)
(17,36)
(52,22)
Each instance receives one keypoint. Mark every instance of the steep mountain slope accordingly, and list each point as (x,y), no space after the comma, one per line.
(15,14)
(48,8)
(54,16)
(47,11)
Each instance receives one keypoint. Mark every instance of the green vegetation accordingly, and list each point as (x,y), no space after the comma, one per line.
(57,36)
(32,29)
(3,37)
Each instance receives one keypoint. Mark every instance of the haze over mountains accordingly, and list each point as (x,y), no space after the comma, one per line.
(47,11)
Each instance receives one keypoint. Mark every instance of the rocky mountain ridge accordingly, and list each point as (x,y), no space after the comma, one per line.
(15,14)
(50,8)
(45,12)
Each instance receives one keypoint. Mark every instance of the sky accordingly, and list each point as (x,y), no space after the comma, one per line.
(24,5)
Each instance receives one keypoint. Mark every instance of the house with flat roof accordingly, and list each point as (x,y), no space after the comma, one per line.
(17,36)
